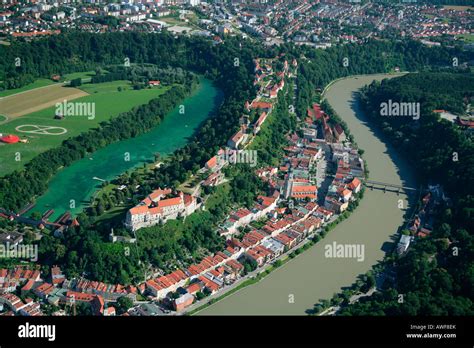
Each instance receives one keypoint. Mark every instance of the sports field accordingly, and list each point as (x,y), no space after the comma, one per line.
(44,132)
(33,100)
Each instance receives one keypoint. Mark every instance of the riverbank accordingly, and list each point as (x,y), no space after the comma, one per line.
(312,276)
(251,278)
(88,173)
(260,274)
(330,84)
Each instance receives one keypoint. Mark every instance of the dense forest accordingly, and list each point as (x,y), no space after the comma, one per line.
(140,74)
(433,277)
(322,66)
(433,159)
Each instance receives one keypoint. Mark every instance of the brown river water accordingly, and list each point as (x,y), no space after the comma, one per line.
(302,282)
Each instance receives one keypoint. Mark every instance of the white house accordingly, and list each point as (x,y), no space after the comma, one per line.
(159,207)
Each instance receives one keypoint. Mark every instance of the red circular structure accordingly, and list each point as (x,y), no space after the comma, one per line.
(10,139)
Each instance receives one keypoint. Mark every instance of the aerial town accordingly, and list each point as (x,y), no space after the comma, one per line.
(318,23)
(182,159)
(303,198)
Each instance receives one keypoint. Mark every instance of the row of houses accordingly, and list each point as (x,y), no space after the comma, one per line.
(269,85)
(10,279)
(208,282)
(211,274)
(17,307)
(243,216)
(55,289)
(342,189)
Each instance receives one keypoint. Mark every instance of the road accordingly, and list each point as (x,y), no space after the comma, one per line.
(374,224)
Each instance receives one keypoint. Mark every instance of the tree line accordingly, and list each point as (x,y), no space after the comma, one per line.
(73,51)
(86,248)
(22,186)
(435,277)
(320,67)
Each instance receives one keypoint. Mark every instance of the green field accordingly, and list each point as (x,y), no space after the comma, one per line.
(466,37)
(83,75)
(174,19)
(38,83)
(109,102)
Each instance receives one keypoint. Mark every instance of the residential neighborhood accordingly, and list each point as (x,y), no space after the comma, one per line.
(318,23)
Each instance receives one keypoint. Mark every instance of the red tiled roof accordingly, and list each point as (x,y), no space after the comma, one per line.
(261,105)
(237,136)
(169,202)
(193,288)
(212,162)
(354,184)
(139,209)
(304,188)
(28,286)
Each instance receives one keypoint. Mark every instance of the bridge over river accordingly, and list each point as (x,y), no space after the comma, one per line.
(389,187)
(303,281)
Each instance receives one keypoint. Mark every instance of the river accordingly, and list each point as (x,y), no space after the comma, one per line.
(77,182)
(302,282)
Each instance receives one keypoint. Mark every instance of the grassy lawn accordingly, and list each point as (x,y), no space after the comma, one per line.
(115,214)
(83,75)
(222,191)
(109,87)
(38,83)
(109,102)
(173,20)
(466,37)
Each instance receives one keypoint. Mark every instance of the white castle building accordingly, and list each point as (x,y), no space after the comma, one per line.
(159,206)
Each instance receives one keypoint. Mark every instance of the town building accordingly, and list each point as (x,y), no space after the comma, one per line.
(158,207)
